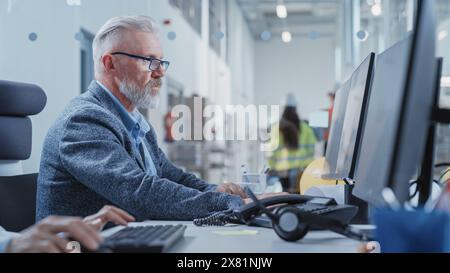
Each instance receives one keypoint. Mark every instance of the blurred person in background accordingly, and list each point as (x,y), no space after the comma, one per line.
(293,143)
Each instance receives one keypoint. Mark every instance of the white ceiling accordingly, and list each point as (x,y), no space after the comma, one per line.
(304,16)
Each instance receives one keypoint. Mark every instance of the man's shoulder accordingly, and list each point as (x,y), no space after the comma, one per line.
(84,111)
(88,108)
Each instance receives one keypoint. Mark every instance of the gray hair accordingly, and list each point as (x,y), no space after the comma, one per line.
(109,34)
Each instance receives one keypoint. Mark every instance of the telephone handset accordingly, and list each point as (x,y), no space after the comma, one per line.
(291,216)
(249,211)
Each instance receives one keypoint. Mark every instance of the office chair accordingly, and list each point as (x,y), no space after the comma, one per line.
(17,191)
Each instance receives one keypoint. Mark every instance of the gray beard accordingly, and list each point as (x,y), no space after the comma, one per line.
(144,99)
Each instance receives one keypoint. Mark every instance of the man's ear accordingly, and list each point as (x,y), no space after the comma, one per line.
(108,63)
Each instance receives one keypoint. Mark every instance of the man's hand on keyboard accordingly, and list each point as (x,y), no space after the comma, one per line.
(231,188)
(264,196)
(108,214)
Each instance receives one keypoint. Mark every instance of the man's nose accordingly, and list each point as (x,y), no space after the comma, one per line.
(158,73)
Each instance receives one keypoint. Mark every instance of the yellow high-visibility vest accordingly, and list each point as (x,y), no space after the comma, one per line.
(283,159)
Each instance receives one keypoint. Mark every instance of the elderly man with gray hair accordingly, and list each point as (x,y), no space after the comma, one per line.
(101,150)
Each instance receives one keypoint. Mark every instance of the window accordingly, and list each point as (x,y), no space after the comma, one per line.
(192,12)
(87,63)
(218,27)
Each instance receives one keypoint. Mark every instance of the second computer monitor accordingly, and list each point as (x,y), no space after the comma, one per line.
(337,121)
(354,117)
(348,113)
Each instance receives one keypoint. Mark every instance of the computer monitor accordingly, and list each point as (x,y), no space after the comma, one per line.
(345,125)
(354,116)
(399,113)
(337,121)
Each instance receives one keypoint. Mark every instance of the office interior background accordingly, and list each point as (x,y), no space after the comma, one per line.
(230,52)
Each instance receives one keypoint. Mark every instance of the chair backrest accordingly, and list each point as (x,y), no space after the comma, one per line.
(18,201)
(17,102)
(17,193)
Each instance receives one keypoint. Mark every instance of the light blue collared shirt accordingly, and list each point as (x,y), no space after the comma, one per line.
(5,238)
(137,127)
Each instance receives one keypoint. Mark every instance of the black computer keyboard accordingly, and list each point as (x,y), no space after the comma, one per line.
(147,239)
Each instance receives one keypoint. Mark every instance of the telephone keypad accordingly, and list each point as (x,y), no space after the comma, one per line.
(315,209)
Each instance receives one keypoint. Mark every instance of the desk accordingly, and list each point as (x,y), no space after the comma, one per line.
(204,240)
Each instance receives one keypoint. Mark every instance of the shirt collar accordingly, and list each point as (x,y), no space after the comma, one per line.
(135,123)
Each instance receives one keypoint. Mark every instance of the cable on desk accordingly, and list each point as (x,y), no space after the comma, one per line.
(416,191)
(220,218)
(443,164)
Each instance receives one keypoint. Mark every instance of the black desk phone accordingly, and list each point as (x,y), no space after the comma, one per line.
(291,216)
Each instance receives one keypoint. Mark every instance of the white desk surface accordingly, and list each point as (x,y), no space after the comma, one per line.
(205,240)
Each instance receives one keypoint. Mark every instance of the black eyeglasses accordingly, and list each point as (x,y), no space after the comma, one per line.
(155,64)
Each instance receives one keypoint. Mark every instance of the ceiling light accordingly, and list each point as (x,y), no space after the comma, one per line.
(377,10)
(445,82)
(286,36)
(442,35)
(73,2)
(281,11)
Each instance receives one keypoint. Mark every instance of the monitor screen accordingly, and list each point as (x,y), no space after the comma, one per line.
(418,103)
(337,120)
(354,116)
(399,113)
(380,125)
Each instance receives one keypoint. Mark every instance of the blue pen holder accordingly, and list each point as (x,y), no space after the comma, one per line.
(412,231)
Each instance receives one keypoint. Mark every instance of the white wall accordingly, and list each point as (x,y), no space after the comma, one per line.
(53,61)
(304,67)
(242,73)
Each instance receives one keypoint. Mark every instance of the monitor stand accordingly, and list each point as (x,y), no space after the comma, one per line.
(362,217)
(425,180)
